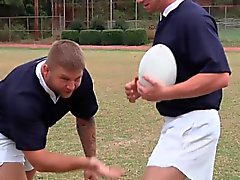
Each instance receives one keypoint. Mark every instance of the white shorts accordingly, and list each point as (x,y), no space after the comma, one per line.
(189,142)
(9,153)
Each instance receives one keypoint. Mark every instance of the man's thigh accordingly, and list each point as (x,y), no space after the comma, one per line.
(158,173)
(12,171)
(12,158)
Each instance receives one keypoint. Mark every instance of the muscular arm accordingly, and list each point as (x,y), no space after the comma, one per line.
(198,85)
(45,161)
(87,133)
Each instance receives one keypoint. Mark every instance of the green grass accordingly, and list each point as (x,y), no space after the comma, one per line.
(127,133)
(230,37)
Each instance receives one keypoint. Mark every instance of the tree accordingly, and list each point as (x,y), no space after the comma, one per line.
(12,8)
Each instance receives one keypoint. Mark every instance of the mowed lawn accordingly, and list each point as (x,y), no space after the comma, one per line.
(127,133)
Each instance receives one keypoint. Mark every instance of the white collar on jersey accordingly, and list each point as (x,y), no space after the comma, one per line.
(171,7)
(43,83)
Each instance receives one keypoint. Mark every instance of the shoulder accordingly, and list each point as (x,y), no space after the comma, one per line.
(193,16)
(86,79)
(86,86)
(24,103)
(21,89)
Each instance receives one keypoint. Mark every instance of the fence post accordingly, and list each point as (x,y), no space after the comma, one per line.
(9,30)
(225,16)
(87,3)
(28,28)
(111,13)
(136,14)
(60,27)
(41,28)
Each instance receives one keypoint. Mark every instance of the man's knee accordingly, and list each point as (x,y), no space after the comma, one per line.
(12,171)
(158,173)
(30,174)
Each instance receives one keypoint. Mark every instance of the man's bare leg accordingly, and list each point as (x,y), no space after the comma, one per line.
(12,171)
(158,173)
(30,174)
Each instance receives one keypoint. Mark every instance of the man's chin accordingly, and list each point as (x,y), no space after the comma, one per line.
(66,95)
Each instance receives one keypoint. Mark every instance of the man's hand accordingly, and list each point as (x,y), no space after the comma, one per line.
(102,170)
(155,92)
(131,90)
(90,175)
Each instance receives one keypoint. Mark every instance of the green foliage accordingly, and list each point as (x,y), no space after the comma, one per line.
(112,37)
(120,24)
(4,34)
(119,14)
(17,6)
(135,37)
(90,37)
(14,2)
(7,10)
(18,32)
(97,23)
(76,25)
(71,35)
(29,9)
(222,2)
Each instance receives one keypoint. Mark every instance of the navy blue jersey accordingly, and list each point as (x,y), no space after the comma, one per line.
(191,34)
(27,111)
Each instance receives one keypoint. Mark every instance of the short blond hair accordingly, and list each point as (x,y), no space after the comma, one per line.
(67,54)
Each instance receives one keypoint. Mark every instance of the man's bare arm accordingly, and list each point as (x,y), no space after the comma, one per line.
(87,133)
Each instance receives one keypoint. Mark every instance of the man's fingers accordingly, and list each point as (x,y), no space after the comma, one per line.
(150,80)
(128,87)
(116,172)
(132,100)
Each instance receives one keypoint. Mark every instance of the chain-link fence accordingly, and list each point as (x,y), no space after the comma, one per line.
(133,15)
(29,27)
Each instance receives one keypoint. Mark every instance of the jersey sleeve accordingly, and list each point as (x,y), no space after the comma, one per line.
(83,101)
(26,127)
(204,47)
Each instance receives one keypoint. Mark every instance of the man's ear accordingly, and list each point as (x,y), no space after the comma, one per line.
(45,70)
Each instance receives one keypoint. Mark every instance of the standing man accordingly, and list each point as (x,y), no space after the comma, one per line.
(189,136)
(33,97)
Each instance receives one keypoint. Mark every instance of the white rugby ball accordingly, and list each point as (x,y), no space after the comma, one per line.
(159,63)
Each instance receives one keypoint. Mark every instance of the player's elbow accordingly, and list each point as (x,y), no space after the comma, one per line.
(225,80)
(40,168)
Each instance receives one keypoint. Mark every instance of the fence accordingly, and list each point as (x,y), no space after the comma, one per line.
(30,27)
(18,28)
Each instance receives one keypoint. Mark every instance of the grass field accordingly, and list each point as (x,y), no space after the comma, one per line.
(230,37)
(127,133)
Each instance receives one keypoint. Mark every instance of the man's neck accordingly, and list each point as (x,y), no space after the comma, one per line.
(166,4)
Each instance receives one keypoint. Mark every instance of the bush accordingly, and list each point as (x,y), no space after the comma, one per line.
(18,32)
(97,23)
(4,34)
(120,24)
(90,37)
(71,35)
(112,37)
(76,25)
(135,37)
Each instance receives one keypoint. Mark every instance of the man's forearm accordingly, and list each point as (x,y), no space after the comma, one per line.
(45,161)
(87,133)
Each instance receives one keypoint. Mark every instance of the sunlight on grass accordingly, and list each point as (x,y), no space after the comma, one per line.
(127,133)
(230,37)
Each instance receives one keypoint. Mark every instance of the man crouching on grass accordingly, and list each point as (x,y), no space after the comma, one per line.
(33,97)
